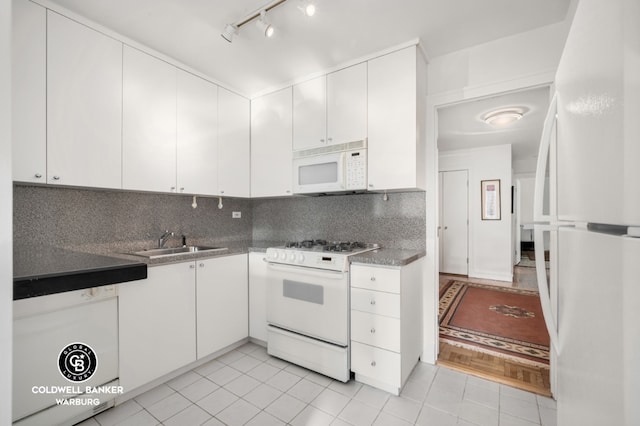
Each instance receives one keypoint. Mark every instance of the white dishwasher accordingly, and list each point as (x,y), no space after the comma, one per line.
(44,328)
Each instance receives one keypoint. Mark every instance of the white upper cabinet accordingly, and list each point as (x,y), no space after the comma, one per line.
(29,78)
(396,109)
(84,105)
(233,144)
(197,135)
(347,105)
(331,109)
(149,123)
(271,134)
(310,113)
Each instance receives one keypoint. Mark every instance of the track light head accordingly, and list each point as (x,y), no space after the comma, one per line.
(308,7)
(266,28)
(229,31)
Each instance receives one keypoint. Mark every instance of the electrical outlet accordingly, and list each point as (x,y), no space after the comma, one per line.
(236,215)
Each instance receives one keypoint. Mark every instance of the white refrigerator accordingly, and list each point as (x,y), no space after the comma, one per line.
(590,151)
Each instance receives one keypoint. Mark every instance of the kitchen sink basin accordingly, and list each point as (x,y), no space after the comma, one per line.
(155,253)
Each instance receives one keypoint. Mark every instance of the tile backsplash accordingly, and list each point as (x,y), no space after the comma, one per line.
(102,220)
(399,222)
(110,220)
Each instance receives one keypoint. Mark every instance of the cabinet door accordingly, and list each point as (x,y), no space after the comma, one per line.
(392,121)
(310,114)
(149,123)
(257,296)
(271,159)
(84,105)
(347,105)
(157,324)
(197,135)
(234,126)
(29,78)
(222,302)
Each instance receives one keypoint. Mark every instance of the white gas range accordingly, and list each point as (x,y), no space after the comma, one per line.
(308,304)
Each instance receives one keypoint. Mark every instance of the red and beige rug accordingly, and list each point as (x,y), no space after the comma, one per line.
(503,321)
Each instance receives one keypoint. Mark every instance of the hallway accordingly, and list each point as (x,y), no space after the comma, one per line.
(532,378)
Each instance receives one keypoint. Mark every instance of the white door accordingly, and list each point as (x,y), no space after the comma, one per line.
(454,223)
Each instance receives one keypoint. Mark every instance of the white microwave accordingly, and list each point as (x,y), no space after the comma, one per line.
(333,168)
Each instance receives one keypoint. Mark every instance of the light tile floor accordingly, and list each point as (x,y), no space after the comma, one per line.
(248,387)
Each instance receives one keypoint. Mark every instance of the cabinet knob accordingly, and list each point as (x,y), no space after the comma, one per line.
(287,191)
(373,278)
(222,192)
(329,140)
(373,302)
(56,178)
(373,331)
(446,227)
(192,266)
(182,189)
(373,363)
(370,185)
(37,175)
(202,265)
(321,140)
(173,188)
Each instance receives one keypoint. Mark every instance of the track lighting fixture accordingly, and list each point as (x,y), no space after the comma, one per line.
(308,7)
(229,31)
(265,27)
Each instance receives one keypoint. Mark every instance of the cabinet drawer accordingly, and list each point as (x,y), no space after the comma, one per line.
(376,330)
(375,302)
(378,364)
(381,279)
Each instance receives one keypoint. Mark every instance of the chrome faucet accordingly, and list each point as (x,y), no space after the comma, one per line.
(163,238)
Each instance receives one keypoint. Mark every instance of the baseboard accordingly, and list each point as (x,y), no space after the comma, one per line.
(495,277)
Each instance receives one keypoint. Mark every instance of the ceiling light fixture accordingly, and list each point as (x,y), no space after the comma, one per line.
(308,7)
(503,117)
(229,31)
(265,27)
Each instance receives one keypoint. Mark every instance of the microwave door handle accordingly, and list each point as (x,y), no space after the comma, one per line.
(342,162)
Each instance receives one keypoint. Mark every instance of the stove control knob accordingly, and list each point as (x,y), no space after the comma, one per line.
(292,256)
(300,257)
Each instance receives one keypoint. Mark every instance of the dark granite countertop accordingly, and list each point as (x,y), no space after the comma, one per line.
(388,257)
(38,271)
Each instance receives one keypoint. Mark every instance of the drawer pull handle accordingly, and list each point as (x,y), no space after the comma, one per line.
(373,331)
(373,363)
(373,278)
(373,302)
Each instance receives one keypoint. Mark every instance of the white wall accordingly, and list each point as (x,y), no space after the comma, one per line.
(523,56)
(6,214)
(490,241)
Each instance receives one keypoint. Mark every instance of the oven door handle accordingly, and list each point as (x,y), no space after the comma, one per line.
(335,275)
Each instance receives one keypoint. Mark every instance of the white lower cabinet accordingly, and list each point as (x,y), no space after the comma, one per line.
(221,309)
(257,296)
(157,325)
(180,313)
(386,323)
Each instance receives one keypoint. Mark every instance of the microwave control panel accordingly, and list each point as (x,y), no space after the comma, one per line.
(356,169)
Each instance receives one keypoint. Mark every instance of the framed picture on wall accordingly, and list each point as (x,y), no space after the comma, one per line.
(490,199)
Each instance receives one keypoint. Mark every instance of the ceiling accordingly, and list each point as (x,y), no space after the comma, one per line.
(461,126)
(341,31)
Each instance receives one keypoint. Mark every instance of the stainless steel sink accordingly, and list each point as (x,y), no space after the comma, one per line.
(161,252)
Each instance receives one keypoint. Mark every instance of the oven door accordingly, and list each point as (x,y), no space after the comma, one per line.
(309,301)
(319,173)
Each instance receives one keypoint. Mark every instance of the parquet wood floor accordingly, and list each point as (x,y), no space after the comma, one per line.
(521,376)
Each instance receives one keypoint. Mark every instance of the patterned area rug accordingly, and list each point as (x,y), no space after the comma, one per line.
(505,322)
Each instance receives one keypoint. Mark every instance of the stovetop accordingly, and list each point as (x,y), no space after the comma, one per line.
(330,246)
(323,254)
